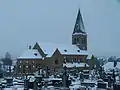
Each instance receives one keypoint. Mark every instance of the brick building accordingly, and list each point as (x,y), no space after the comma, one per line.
(55,56)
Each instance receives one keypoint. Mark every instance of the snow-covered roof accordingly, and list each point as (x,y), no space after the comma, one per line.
(50,79)
(49,49)
(20,89)
(89,81)
(110,65)
(79,34)
(32,79)
(74,87)
(76,82)
(8,89)
(71,65)
(89,56)
(30,54)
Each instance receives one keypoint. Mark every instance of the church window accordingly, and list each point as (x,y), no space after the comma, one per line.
(77,40)
(56,61)
(84,41)
(74,41)
(29,67)
(24,69)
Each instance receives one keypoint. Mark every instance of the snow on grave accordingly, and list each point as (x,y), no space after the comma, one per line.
(88,83)
(71,65)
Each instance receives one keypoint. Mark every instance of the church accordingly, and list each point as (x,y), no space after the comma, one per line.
(57,56)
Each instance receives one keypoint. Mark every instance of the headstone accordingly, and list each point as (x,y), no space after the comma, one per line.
(102,85)
(113,75)
(110,81)
(47,72)
(81,76)
(116,86)
(65,80)
(26,81)
(9,81)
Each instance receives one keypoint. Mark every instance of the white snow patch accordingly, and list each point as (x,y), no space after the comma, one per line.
(49,49)
(30,54)
(110,66)
(71,65)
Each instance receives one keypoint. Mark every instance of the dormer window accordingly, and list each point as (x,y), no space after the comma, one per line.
(35,54)
(65,50)
(78,50)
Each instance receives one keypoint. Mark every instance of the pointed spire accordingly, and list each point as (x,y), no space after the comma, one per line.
(79,25)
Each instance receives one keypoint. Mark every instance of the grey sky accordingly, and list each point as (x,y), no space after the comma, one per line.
(26,21)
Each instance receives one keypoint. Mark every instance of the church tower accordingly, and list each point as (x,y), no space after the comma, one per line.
(79,36)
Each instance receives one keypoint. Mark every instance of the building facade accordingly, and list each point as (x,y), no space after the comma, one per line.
(56,56)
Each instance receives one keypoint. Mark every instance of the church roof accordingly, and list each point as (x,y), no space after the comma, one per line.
(30,54)
(79,25)
(49,49)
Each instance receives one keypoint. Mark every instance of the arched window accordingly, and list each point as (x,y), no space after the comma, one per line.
(24,69)
(74,41)
(84,41)
(29,67)
(56,61)
(77,40)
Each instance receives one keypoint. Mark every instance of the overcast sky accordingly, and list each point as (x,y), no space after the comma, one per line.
(23,22)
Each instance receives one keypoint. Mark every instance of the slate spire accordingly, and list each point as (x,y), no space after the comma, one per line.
(79,25)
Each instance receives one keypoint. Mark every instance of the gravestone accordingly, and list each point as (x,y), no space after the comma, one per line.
(65,80)
(102,85)
(26,83)
(9,81)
